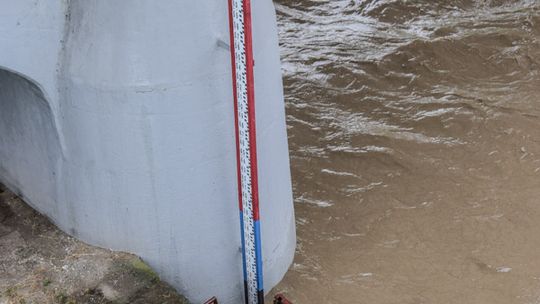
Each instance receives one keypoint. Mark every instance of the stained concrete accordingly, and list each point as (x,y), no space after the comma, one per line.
(116,122)
(41,264)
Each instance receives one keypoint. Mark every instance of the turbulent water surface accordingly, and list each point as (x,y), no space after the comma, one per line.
(414,129)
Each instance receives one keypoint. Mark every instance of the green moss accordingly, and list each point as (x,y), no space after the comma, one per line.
(46,282)
(140,268)
(11,292)
(61,298)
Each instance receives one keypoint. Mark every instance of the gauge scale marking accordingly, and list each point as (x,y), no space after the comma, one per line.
(244,102)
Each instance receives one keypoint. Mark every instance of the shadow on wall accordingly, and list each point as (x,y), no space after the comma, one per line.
(29,147)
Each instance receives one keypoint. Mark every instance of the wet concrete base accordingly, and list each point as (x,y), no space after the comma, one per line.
(41,264)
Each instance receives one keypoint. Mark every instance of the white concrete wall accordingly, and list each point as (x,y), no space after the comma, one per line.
(116,121)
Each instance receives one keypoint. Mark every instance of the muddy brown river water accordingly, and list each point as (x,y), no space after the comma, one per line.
(414,131)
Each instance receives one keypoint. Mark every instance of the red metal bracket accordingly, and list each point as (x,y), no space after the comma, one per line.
(280,299)
(213,300)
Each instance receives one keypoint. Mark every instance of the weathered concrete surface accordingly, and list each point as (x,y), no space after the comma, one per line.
(41,264)
(116,121)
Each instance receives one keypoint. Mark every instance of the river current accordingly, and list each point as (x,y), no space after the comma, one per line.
(414,134)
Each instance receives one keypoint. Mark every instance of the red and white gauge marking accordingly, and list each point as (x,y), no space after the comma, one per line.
(244,99)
